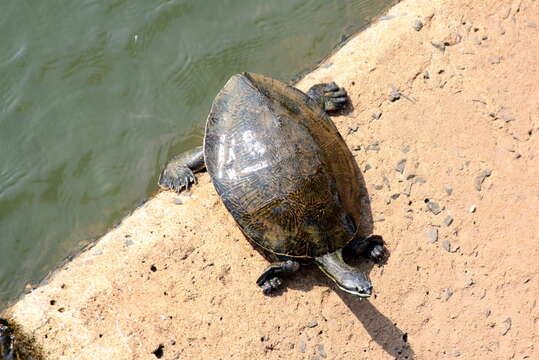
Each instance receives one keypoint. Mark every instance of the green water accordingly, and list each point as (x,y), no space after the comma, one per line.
(96,96)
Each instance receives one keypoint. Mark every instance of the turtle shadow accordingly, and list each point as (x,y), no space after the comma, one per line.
(381,329)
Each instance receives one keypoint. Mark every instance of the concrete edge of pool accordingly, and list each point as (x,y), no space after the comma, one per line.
(176,279)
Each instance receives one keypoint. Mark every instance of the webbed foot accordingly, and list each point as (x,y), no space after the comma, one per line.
(7,348)
(330,96)
(371,247)
(270,280)
(271,285)
(177,178)
(179,172)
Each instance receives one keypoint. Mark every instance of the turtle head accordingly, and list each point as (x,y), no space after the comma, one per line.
(346,277)
(355,282)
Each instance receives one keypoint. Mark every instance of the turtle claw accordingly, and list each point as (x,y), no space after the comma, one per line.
(331,96)
(377,253)
(270,281)
(271,285)
(177,178)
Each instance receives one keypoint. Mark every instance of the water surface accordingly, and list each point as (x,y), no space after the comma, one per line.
(96,96)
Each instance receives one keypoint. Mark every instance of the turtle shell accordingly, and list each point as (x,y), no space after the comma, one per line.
(281,167)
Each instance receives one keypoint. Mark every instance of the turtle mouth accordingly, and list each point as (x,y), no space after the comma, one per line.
(363,293)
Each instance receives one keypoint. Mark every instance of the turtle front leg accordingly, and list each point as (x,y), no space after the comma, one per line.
(270,278)
(330,96)
(179,172)
(371,247)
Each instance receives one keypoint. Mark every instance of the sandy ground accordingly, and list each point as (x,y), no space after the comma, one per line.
(452,174)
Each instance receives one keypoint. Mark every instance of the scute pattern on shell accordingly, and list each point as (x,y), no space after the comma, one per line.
(281,167)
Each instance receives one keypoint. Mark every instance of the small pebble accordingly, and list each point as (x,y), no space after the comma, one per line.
(426,75)
(472,209)
(321,351)
(446,294)
(395,196)
(432,234)
(420,180)
(408,189)
(394,95)
(302,346)
(434,207)
(495,59)
(352,129)
(375,146)
(405,149)
(400,166)
(98,252)
(506,326)
(367,167)
(483,294)
(438,45)
(377,114)
(456,353)
(446,245)
(507,117)
(129,242)
(312,324)
(479,101)
(448,220)
(448,190)
(481,177)
(178,201)
(418,25)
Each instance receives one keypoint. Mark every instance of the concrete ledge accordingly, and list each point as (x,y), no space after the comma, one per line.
(176,279)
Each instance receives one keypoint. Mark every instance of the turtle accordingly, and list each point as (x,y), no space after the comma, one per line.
(285,175)
(11,348)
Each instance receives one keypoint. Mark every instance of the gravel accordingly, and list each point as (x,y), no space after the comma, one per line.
(438,45)
(446,294)
(432,234)
(506,326)
(481,177)
(321,351)
(312,324)
(446,245)
(434,207)
(401,165)
(394,95)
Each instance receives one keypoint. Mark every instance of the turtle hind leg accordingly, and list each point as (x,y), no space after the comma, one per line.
(179,172)
(371,247)
(330,96)
(7,349)
(270,280)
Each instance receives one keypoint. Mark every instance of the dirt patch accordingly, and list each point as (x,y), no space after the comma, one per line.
(444,128)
